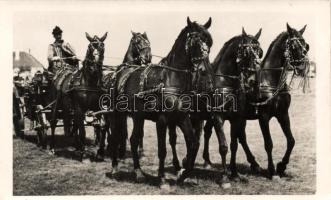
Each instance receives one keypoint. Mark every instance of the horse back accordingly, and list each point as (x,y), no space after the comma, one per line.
(132,80)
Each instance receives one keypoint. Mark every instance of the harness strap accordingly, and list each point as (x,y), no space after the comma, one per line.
(278,89)
(126,77)
(87,89)
(143,77)
(228,76)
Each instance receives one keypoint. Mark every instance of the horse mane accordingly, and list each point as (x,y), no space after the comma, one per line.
(221,54)
(128,54)
(174,48)
(277,39)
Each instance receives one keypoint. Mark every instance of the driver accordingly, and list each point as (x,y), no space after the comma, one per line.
(60,52)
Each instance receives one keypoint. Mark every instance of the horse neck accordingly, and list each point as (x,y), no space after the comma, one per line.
(88,79)
(129,57)
(226,64)
(275,55)
(274,59)
(178,59)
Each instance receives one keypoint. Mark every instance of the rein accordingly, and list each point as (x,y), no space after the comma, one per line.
(282,82)
(144,77)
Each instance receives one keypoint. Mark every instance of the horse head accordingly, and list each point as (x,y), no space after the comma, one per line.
(95,53)
(198,44)
(296,49)
(141,49)
(248,57)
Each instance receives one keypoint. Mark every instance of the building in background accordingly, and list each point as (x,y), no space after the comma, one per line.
(25,64)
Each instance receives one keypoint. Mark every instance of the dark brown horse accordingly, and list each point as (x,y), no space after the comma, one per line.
(234,71)
(137,54)
(271,97)
(79,91)
(153,93)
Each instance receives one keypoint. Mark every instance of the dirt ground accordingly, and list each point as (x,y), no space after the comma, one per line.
(38,173)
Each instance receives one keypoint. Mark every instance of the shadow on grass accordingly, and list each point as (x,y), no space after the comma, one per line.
(123,176)
(63,146)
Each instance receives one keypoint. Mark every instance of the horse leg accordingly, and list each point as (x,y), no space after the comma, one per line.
(284,121)
(113,139)
(124,136)
(173,141)
(268,145)
(223,146)
(207,134)
(141,145)
(192,145)
(79,119)
(161,129)
(104,126)
(66,121)
(134,140)
(255,167)
(233,148)
(97,132)
(53,123)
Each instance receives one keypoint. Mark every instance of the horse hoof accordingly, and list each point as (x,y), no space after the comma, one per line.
(141,153)
(51,152)
(86,161)
(281,167)
(225,182)
(99,158)
(114,171)
(181,176)
(256,169)
(207,165)
(275,178)
(184,163)
(139,176)
(226,185)
(238,178)
(164,186)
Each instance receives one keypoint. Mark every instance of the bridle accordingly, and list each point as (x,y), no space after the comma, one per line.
(140,43)
(95,52)
(193,39)
(289,64)
(291,43)
(245,51)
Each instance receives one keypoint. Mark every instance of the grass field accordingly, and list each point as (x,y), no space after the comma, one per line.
(38,173)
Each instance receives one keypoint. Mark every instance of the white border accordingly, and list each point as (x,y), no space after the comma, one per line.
(321,9)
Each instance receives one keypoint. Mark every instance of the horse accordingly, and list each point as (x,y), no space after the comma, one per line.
(157,98)
(80,90)
(137,54)
(233,72)
(271,97)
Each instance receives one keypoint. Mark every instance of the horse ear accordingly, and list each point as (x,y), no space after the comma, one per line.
(289,29)
(208,23)
(133,33)
(303,29)
(104,37)
(189,23)
(244,32)
(89,38)
(145,35)
(258,34)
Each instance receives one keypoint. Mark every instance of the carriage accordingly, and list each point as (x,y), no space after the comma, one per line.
(39,100)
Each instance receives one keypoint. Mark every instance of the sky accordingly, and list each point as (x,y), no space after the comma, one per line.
(32,29)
